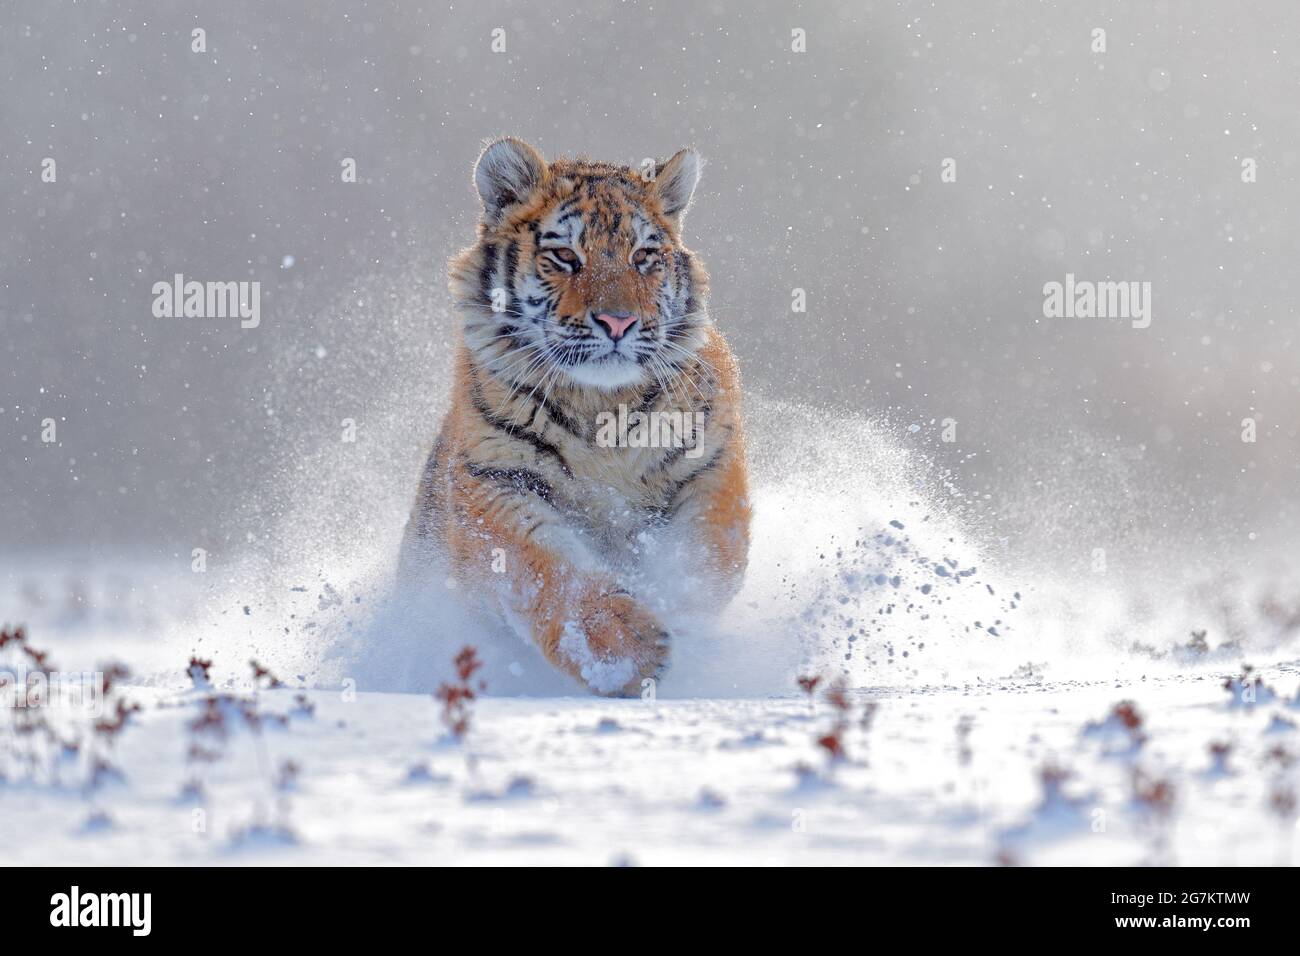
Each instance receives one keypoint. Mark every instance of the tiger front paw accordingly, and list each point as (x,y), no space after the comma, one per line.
(615,643)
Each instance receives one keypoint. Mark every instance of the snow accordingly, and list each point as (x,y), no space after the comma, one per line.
(994,714)
(594,781)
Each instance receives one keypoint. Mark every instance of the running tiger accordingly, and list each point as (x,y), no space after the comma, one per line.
(593,447)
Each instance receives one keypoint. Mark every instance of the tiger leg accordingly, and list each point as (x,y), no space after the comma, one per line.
(577,614)
(715,515)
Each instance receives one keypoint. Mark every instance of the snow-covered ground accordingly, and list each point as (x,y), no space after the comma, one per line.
(955,774)
(988,715)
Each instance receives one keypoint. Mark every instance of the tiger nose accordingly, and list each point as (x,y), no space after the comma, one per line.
(616,323)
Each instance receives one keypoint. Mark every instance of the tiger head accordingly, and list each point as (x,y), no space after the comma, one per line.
(579,276)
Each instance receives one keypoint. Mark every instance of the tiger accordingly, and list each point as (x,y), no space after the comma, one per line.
(593,443)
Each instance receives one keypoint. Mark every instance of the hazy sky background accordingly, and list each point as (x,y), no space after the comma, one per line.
(924,297)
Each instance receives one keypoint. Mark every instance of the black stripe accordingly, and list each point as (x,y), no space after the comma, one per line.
(677,452)
(557,261)
(520,479)
(685,289)
(557,415)
(670,507)
(650,397)
(487,272)
(512,265)
(681,272)
(540,444)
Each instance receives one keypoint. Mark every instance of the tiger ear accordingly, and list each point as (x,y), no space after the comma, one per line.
(507,172)
(675,183)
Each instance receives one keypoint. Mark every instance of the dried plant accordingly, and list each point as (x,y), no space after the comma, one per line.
(286,777)
(261,673)
(1247,691)
(1153,793)
(965,724)
(1220,750)
(1123,721)
(200,672)
(1282,801)
(220,715)
(836,694)
(868,715)
(1052,778)
(45,742)
(1126,713)
(458,698)
(1006,857)
(109,727)
(16,636)
(1279,755)
(809,684)
(832,741)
